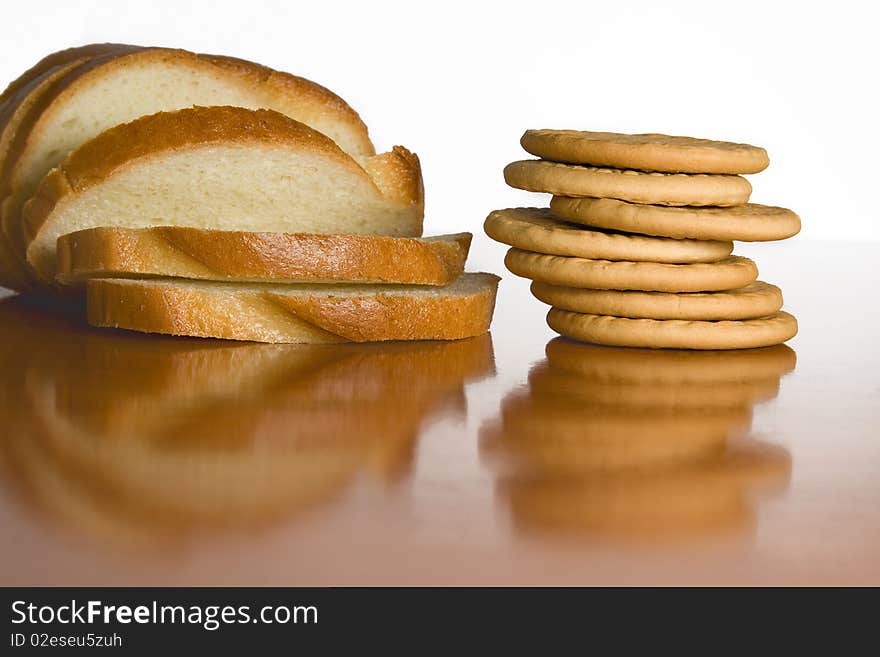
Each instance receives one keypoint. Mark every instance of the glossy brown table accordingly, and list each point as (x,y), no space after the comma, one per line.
(510,459)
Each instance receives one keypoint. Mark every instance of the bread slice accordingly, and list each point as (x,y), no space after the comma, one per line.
(118,83)
(20,100)
(295,313)
(222,168)
(259,257)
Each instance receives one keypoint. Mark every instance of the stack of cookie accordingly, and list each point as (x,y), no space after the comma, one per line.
(635,249)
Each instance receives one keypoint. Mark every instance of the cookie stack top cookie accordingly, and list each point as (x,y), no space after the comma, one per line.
(635,249)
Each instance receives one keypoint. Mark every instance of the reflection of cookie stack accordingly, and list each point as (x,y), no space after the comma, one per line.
(639,255)
(636,442)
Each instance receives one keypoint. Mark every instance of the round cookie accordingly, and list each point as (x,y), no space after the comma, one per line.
(647,152)
(674,333)
(536,229)
(627,185)
(747,223)
(757,299)
(727,274)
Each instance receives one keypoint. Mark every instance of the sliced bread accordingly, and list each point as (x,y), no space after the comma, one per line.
(295,313)
(259,257)
(221,168)
(111,84)
(21,100)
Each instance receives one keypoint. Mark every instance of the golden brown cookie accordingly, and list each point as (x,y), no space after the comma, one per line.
(747,223)
(674,333)
(627,185)
(757,299)
(647,152)
(537,229)
(727,274)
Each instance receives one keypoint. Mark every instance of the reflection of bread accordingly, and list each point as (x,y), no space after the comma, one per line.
(241,450)
(106,379)
(673,366)
(699,498)
(199,481)
(42,482)
(124,385)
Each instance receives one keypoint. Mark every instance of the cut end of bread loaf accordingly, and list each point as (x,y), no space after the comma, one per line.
(259,257)
(23,102)
(295,313)
(221,168)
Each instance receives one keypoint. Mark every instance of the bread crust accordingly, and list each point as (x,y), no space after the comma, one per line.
(282,86)
(276,85)
(267,314)
(246,256)
(52,61)
(398,175)
(20,114)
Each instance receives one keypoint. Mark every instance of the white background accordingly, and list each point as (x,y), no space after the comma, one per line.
(459,82)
